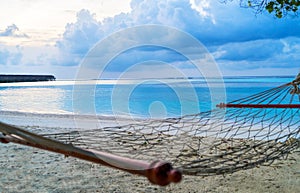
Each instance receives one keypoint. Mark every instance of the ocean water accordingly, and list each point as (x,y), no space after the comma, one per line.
(140,98)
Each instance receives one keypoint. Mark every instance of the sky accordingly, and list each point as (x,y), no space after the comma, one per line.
(54,37)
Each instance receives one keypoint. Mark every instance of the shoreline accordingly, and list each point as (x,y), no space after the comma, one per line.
(63,120)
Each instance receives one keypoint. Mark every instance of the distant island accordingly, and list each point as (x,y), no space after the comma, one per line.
(25,78)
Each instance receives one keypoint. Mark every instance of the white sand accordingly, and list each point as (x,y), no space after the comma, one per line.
(25,169)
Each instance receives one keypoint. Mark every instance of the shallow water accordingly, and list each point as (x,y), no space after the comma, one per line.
(139,98)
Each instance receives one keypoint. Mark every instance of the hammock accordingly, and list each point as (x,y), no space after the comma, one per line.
(239,135)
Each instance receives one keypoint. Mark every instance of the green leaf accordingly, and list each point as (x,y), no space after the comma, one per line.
(295,9)
(270,7)
(249,4)
(279,14)
(280,1)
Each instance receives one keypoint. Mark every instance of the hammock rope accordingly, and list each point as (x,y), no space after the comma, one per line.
(239,135)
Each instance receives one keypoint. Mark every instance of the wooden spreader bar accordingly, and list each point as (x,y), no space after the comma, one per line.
(293,106)
(157,172)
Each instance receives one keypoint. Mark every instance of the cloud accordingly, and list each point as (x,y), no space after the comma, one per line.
(80,36)
(4,55)
(202,6)
(13,31)
(235,36)
(256,50)
(268,53)
(10,57)
(236,24)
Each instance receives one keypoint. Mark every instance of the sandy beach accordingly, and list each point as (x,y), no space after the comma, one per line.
(25,169)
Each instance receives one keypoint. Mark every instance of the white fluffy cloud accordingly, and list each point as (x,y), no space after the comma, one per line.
(235,36)
(13,31)
(232,34)
(80,36)
(11,56)
(264,53)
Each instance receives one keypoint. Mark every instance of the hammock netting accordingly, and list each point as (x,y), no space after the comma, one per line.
(239,135)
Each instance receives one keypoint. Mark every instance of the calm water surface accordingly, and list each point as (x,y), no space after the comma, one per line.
(167,98)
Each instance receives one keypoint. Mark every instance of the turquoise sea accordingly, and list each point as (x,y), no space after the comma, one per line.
(140,98)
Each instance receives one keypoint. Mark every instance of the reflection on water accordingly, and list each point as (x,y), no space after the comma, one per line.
(151,98)
(33,100)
